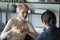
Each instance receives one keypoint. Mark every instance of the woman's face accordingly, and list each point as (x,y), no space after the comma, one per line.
(23,13)
(44,25)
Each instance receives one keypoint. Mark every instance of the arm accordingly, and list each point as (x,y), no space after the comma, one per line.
(4,33)
(31,31)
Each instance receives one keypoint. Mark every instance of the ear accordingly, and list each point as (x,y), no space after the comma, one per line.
(51,22)
(44,24)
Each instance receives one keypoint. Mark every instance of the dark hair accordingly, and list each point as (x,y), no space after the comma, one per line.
(49,17)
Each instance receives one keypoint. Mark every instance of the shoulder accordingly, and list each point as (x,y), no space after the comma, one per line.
(28,23)
(41,36)
(12,20)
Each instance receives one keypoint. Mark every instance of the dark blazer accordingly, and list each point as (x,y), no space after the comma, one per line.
(52,33)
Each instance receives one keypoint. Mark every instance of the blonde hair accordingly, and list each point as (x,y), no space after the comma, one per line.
(22,6)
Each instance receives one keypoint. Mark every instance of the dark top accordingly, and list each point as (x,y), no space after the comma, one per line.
(52,33)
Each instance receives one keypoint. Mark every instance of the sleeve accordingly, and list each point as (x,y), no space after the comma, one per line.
(4,33)
(30,27)
(31,31)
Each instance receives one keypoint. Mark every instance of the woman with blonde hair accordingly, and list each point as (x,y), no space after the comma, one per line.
(17,28)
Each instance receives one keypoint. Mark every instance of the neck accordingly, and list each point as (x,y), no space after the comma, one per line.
(21,18)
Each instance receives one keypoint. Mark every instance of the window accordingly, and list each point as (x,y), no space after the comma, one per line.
(35,20)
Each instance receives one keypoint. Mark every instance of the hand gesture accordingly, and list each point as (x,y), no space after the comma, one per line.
(23,30)
(14,29)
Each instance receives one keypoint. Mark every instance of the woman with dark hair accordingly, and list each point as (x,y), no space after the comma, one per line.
(51,32)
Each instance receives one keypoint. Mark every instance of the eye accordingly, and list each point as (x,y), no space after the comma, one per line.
(22,12)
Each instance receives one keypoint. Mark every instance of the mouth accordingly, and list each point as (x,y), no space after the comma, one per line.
(24,17)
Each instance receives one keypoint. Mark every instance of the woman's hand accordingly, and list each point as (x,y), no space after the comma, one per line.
(24,30)
(18,31)
(14,30)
